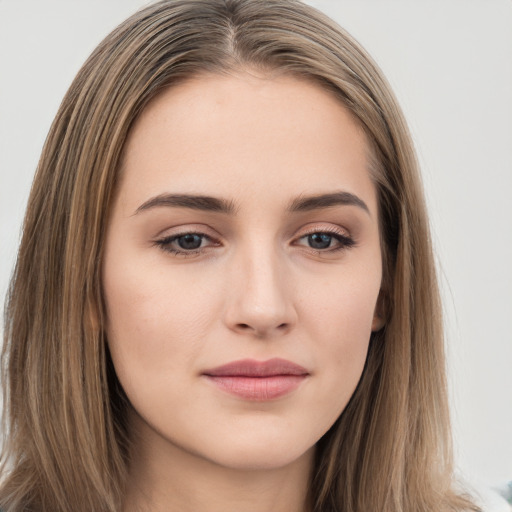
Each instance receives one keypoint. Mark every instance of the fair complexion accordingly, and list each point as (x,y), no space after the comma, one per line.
(281,260)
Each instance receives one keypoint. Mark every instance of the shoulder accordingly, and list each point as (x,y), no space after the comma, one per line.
(495,500)
(505,491)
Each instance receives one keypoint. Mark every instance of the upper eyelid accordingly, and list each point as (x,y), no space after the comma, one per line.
(212,234)
(344,240)
(330,229)
(214,241)
(173,237)
(185,230)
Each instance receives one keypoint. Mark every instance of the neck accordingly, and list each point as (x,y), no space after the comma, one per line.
(165,477)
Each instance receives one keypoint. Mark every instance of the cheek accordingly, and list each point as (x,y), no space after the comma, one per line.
(341,307)
(155,321)
(339,321)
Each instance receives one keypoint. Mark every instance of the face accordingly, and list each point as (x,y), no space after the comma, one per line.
(242,268)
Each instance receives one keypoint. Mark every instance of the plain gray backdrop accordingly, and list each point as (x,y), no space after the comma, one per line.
(450,64)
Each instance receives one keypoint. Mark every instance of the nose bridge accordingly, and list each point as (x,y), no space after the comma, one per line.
(261,302)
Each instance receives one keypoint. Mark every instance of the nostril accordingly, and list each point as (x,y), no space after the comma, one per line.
(248,327)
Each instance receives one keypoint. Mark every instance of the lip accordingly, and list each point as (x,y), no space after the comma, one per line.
(258,380)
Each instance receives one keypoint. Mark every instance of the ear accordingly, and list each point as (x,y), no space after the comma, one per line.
(379,316)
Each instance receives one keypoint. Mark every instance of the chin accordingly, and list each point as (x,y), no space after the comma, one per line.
(271,450)
(260,459)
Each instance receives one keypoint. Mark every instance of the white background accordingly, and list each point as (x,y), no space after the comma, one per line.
(450,64)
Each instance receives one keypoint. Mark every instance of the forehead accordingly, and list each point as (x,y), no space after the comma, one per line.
(246,132)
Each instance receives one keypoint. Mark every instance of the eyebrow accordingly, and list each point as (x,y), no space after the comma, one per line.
(219,205)
(317,202)
(193,202)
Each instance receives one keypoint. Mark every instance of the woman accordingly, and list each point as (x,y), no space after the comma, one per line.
(225,297)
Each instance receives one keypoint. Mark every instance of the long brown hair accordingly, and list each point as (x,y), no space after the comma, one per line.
(66,443)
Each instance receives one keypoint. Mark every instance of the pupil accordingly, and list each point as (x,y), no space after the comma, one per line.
(319,240)
(190,241)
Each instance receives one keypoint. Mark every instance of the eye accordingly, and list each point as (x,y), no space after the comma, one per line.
(326,241)
(186,244)
(190,241)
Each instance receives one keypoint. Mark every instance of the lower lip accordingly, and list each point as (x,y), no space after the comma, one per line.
(258,389)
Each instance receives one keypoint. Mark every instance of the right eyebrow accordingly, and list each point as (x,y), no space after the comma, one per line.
(202,203)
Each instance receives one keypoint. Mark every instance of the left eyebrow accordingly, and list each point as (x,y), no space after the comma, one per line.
(318,202)
(193,202)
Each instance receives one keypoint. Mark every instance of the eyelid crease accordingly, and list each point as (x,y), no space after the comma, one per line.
(328,229)
(312,230)
(340,234)
(345,242)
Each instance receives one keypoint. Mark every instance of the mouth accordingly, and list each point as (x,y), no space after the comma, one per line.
(257,380)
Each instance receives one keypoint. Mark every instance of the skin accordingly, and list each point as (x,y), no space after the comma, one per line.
(254,289)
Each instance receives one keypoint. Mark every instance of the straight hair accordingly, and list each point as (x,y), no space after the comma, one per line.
(66,444)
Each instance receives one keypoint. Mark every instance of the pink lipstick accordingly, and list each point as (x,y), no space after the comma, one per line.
(258,380)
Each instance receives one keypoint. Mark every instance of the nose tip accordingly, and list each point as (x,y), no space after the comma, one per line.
(261,305)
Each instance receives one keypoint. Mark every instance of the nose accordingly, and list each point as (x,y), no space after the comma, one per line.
(260,295)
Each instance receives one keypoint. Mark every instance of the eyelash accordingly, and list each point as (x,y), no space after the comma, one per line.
(165,244)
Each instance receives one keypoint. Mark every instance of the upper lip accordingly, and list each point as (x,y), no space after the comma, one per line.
(254,368)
